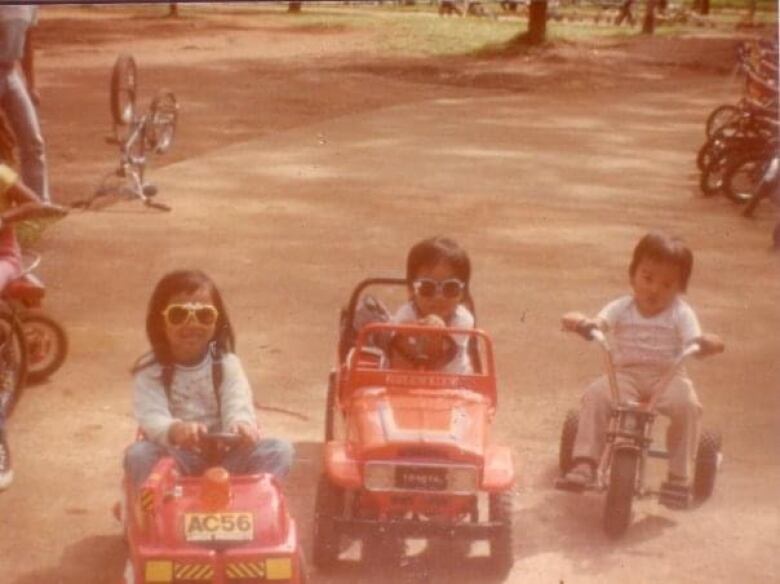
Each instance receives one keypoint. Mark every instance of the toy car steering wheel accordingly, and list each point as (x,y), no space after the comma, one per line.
(215,445)
(428,350)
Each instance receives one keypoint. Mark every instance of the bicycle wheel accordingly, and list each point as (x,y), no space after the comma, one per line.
(161,121)
(47,345)
(124,81)
(13,360)
(721,117)
(742,178)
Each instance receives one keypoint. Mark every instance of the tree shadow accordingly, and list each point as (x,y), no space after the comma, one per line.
(97,559)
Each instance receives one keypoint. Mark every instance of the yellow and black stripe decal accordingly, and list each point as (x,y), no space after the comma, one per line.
(203,572)
(146,498)
(238,570)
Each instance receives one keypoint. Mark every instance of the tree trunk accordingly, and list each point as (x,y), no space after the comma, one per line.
(648,26)
(294,7)
(173,9)
(537,22)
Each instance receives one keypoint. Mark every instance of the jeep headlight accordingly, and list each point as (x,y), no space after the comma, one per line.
(462,479)
(379,477)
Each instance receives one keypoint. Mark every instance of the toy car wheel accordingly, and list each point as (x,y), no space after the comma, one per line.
(47,345)
(620,493)
(707,462)
(568,434)
(328,505)
(501,549)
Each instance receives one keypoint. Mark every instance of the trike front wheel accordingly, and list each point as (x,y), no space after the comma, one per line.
(620,493)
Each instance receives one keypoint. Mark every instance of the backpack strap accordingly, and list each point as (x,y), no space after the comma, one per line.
(216,377)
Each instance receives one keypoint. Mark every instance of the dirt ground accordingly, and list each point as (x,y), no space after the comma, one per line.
(307,160)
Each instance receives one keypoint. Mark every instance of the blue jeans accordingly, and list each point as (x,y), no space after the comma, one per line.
(23,119)
(268,455)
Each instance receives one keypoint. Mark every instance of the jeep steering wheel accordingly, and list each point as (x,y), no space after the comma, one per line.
(428,350)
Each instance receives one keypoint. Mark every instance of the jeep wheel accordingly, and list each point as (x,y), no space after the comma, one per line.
(568,434)
(501,549)
(330,409)
(620,494)
(707,462)
(329,505)
(383,551)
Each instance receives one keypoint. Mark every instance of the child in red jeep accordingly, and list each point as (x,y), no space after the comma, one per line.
(650,327)
(438,271)
(192,383)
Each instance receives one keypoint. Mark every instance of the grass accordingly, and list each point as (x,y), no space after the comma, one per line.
(418,30)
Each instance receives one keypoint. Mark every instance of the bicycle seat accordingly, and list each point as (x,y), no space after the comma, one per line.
(27,289)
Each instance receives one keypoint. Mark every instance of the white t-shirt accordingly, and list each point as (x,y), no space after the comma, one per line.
(193,398)
(461,318)
(650,342)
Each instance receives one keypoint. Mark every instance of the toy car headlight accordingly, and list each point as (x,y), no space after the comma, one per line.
(462,479)
(378,477)
(158,571)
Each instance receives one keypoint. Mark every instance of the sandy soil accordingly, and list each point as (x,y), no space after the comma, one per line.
(307,160)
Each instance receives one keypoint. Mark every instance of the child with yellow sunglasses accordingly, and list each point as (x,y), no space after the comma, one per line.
(192,383)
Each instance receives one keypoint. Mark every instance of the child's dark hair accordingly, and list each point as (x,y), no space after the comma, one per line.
(661,247)
(182,282)
(432,251)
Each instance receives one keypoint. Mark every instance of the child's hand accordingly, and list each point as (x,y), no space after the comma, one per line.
(710,344)
(248,432)
(571,321)
(186,434)
(432,320)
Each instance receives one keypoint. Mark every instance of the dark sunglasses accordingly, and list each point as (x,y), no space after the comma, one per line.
(428,287)
(178,314)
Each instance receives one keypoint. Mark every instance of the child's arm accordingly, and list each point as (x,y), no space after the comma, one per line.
(238,411)
(576,322)
(710,344)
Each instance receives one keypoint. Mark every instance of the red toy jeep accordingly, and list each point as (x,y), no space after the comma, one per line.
(408,451)
(215,528)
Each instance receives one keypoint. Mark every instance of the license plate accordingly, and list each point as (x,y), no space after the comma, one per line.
(218,526)
(421,479)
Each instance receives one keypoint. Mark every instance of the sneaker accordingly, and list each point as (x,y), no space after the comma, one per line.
(6,472)
(581,475)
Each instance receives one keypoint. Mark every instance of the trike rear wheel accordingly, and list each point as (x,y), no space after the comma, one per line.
(707,462)
(568,435)
(620,493)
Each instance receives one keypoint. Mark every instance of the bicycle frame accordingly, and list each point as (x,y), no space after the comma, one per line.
(631,424)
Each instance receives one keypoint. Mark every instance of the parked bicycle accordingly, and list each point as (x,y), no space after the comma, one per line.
(137,135)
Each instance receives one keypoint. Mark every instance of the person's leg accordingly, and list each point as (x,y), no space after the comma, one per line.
(269,455)
(6,472)
(595,411)
(140,458)
(682,405)
(23,119)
